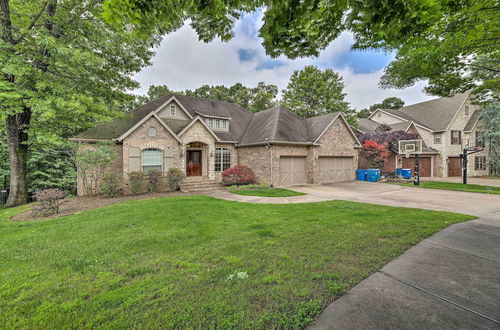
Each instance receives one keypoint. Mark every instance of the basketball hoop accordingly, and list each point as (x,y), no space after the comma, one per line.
(407,155)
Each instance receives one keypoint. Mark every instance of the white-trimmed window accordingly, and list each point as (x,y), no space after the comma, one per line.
(152,159)
(222,159)
(217,124)
(466,110)
(152,131)
(173,110)
(479,162)
(437,138)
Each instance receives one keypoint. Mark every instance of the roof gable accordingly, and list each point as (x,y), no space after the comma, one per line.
(143,120)
(196,120)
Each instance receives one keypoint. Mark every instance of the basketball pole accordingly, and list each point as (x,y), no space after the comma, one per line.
(416,181)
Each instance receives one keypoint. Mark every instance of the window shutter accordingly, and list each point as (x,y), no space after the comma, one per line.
(459,137)
(168,159)
(134,159)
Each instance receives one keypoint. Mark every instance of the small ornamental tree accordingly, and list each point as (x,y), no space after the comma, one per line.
(91,162)
(374,153)
(155,180)
(238,175)
(49,201)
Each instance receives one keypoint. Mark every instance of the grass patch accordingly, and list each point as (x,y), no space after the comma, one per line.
(198,262)
(477,188)
(267,192)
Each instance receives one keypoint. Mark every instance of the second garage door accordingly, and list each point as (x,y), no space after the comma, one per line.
(424,163)
(335,169)
(292,170)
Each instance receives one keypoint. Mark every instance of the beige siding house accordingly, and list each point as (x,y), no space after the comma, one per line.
(203,138)
(445,125)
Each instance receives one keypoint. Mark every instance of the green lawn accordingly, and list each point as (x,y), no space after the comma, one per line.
(197,262)
(456,186)
(267,192)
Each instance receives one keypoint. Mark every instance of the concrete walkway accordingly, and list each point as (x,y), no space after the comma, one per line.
(450,280)
(224,194)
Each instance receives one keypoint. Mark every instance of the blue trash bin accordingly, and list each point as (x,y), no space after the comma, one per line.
(406,173)
(399,172)
(361,175)
(373,174)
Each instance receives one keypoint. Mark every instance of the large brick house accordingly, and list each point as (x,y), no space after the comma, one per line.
(205,137)
(445,125)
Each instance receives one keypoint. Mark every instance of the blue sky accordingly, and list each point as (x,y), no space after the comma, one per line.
(182,61)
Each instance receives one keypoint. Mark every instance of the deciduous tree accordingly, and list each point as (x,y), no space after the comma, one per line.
(61,66)
(387,103)
(312,92)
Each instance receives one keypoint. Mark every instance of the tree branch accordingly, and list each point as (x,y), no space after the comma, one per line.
(6,21)
(32,24)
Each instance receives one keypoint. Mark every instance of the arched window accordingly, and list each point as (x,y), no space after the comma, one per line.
(152,131)
(152,159)
(222,159)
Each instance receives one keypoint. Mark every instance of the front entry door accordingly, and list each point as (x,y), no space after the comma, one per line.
(193,163)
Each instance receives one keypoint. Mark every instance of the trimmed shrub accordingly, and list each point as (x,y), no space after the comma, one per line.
(111,185)
(249,187)
(155,180)
(49,201)
(174,178)
(136,180)
(238,175)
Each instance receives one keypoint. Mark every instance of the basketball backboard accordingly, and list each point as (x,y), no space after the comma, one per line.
(410,147)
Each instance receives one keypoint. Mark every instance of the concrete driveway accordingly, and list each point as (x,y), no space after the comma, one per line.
(450,280)
(394,195)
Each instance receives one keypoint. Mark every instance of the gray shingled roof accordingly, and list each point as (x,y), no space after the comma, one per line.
(472,121)
(274,125)
(316,125)
(435,114)
(367,125)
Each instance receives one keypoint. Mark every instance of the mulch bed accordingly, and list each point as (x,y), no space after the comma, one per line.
(74,205)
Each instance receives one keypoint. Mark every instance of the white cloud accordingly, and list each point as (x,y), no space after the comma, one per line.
(184,62)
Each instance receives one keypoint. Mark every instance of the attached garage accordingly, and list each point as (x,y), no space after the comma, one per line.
(425,164)
(292,170)
(335,169)
(454,166)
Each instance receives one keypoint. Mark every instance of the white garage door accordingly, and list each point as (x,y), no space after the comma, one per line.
(335,169)
(292,170)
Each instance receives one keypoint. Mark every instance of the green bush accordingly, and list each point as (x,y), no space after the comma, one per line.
(136,180)
(174,178)
(111,185)
(249,187)
(155,180)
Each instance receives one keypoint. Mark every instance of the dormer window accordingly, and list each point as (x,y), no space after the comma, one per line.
(217,124)
(173,110)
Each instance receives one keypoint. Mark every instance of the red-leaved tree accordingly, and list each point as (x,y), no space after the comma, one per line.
(374,153)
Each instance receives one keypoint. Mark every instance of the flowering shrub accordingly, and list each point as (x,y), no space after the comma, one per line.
(238,175)
(374,153)
(48,202)
(136,182)
(174,178)
(155,180)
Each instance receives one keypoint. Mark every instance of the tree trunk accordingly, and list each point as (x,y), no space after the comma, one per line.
(17,138)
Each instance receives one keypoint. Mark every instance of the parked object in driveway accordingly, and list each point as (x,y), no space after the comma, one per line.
(372,174)
(361,175)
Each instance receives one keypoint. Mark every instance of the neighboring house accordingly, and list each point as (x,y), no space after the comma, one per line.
(205,137)
(445,125)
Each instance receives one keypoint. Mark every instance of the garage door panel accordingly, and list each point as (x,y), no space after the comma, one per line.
(292,170)
(335,169)
(425,165)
